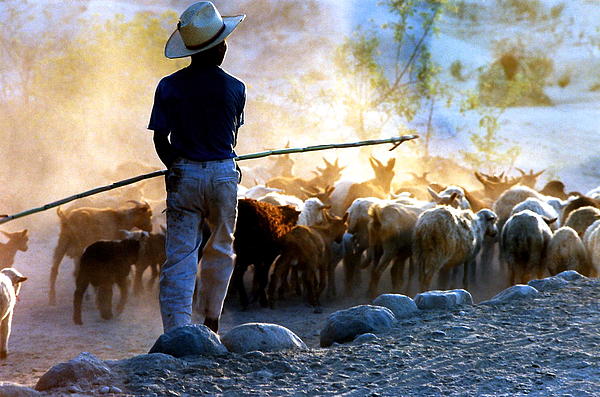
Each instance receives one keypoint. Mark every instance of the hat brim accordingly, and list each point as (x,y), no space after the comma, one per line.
(175,48)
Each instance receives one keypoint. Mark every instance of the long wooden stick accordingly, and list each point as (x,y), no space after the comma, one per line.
(396,141)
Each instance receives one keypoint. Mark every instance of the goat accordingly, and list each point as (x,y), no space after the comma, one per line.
(566,252)
(582,218)
(102,264)
(312,213)
(151,255)
(555,188)
(17,241)
(10,286)
(523,244)
(495,185)
(259,229)
(581,201)
(309,249)
(529,179)
(445,238)
(83,226)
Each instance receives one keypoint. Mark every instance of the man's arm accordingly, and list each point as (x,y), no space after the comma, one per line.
(163,148)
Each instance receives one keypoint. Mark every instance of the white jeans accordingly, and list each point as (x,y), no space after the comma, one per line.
(198,192)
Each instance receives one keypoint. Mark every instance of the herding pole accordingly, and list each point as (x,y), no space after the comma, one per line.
(396,141)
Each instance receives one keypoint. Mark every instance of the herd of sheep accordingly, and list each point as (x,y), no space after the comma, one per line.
(294,232)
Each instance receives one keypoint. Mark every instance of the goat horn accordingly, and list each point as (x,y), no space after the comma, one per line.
(520,170)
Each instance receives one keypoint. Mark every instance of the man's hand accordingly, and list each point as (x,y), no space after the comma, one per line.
(163,148)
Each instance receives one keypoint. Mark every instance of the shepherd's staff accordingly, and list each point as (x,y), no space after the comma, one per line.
(396,141)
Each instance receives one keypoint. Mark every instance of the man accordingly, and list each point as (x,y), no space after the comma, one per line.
(196,115)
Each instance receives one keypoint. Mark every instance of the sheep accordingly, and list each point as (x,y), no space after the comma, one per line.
(591,241)
(582,218)
(312,213)
(10,286)
(102,264)
(282,199)
(445,237)
(151,255)
(581,201)
(259,228)
(308,249)
(523,244)
(539,207)
(504,205)
(258,191)
(556,189)
(17,241)
(83,226)
(390,231)
(566,252)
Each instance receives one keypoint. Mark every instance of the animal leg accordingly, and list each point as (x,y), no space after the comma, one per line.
(57,257)
(104,301)
(351,263)
(5,334)
(80,287)
(124,290)
(377,270)
(138,286)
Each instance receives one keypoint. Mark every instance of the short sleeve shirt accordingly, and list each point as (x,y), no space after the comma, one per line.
(201,107)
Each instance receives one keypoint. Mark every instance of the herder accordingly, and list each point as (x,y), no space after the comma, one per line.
(196,115)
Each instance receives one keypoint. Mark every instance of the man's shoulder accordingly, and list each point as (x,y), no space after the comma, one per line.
(234,80)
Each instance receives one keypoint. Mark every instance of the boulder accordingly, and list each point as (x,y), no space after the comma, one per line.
(8,389)
(400,305)
(548,283)
(444,300)
(515,292)
(189,340)
(345,325)
(364,338)
(261,337)
(82,369)
(570,275)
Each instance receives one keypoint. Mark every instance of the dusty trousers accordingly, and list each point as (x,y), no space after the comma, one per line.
(198,192)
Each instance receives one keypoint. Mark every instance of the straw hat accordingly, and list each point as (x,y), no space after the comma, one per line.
(200,27)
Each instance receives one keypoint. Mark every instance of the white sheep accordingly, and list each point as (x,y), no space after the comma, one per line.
(276,198)
(10,285)
(566,252)
(591,241)
(445,238)
(449,195)
(258,191)
(523,244)
(539,207)
(504,205)
(312,213)
(582,218)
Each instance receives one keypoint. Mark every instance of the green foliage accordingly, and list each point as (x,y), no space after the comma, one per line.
(456,70)
(516,78)
(489,150)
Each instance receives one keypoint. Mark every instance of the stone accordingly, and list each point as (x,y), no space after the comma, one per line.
(364,338)
(189,340)
(344,325)
(548,283)
(516,292)
(401,305)
(82,369)
(9,389)
(261,337)
(443,300)
(570,275)
(144,362)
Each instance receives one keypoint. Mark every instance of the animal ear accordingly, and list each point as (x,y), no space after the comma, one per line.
(345,217)
(549,221)
(539,173)
(20,279)
(24,232)
(436,197)
(391,163)
(7,234)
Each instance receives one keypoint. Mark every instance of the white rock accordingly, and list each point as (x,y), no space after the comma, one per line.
(443,299)
(344,325)
(261,337)
(400,305)
(515,292)
(570,275)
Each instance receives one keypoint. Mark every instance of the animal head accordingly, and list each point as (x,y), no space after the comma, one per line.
(383,173)
(134,235)
(141,215)
(451,199)
(283,165)
(419,180)
(323,194)
(489,219)
(330,173)
(336,225)
(495,185)
(15,277)
(529,179)
(18,239)
(556,189)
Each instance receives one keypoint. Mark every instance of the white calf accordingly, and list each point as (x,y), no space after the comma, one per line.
(10,284)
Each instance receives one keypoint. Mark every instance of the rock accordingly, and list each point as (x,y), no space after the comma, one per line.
(8,389)
(115,390)
(104,390)
(263,374)
(189,340)
(261,337)
(549,283)
(570,275)
(443,299)
(515,292)
(144,362)
(401,305)
(82,369)
(344,325)
(74,389)
(364,338)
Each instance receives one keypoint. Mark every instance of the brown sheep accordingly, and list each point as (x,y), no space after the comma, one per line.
(581,201)
(580,219)
(84,226)
(17,241)
(566,252)
(102,264)
(259,229)
(308,248)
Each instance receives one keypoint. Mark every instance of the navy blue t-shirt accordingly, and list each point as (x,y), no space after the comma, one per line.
(202,108)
